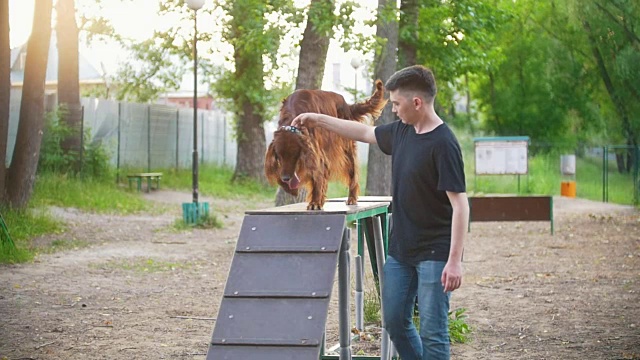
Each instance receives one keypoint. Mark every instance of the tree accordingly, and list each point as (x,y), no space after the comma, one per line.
(614,42)
(5,90)
(379,164)
(251,40)
(68,77)
(407,53)
(22,174)
(313,56)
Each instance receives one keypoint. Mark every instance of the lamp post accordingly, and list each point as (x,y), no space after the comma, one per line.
(195,5)
(355,64)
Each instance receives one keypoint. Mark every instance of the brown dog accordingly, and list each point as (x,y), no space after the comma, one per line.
(309,158)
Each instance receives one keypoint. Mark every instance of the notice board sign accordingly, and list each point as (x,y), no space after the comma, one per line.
(502,155)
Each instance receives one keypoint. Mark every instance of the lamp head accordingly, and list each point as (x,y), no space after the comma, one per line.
(356,62)
(195,4)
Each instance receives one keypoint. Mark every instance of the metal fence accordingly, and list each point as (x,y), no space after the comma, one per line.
(149,136)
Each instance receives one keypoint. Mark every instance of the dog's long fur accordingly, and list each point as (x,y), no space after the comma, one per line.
(311,157)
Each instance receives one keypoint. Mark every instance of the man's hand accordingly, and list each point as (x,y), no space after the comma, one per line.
(305,120)
(451,275)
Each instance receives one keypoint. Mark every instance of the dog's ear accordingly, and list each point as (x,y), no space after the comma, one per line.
(271,164)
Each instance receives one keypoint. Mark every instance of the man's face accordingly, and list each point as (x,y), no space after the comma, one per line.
(403,106)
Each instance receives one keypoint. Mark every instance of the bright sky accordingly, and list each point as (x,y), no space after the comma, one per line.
(138,19)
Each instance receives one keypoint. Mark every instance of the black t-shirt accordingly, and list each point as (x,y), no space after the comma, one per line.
(424,167)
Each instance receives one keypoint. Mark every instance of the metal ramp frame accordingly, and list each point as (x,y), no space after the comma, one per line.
(277,294)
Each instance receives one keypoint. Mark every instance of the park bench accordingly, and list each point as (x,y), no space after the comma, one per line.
(150,177)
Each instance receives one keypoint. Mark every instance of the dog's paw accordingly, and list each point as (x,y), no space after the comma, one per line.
(352,201)
(314,206)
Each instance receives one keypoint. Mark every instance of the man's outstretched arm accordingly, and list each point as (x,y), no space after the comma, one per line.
(350,129)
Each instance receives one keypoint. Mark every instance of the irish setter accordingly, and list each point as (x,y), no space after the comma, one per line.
(309,158)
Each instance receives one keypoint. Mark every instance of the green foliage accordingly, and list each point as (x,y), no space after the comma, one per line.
(24,225)
(216,182)
(459,330)
(209,221)
(94,160)
(371,308)
(52,157)
(95,195)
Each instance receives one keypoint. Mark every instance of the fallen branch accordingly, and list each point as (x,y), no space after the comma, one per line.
(485,286)
(45,344)
(193,318)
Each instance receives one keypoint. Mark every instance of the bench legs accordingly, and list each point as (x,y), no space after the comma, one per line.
(150,179)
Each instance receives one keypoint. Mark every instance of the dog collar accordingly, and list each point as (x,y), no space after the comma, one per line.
(289,128)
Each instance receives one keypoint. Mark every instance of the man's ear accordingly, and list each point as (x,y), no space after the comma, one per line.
(417,102)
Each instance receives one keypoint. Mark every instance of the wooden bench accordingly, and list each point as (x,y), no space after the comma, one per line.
(150,177)
(511,208)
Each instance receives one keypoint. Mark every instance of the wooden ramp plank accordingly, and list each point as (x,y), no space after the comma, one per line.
(276,300)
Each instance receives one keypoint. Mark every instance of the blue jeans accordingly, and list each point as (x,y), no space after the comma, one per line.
(402,282)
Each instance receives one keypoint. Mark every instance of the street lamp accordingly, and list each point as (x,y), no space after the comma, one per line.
(355,64)
(195,5)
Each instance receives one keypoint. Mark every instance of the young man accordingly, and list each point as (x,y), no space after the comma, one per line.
(430,212)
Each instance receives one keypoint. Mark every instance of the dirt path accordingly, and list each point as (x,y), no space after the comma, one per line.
(142,290)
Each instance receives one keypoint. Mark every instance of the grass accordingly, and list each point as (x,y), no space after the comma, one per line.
(210,221)
(23,225)
(216,182)
(99,196)
(144,265)
(459,330)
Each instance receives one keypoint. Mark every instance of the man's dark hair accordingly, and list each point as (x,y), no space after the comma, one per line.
(415,78)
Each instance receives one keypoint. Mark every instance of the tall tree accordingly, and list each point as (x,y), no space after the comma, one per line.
(408,28)
(315,44)
(611,28)
(68,76)
(379,164)
(313,56)
(5,90)
(22,174)
(248,19)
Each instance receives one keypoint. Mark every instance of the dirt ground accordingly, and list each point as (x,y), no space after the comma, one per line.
(143,290)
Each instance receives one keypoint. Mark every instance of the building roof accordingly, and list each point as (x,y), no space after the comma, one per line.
(87,73)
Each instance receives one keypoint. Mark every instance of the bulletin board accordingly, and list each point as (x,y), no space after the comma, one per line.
(502,155)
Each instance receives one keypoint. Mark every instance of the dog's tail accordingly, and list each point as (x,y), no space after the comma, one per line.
(371,108)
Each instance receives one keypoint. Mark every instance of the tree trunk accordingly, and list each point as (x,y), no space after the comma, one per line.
(68,77)
(314,46)
(379,164)
(313,56)
(249,127)
(251,146)
(22,174)
(249,70)
(407,53)
(5,91)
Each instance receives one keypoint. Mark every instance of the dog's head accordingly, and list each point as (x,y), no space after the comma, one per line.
(287,159)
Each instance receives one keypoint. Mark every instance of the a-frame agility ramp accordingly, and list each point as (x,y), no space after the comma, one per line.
(276,298)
